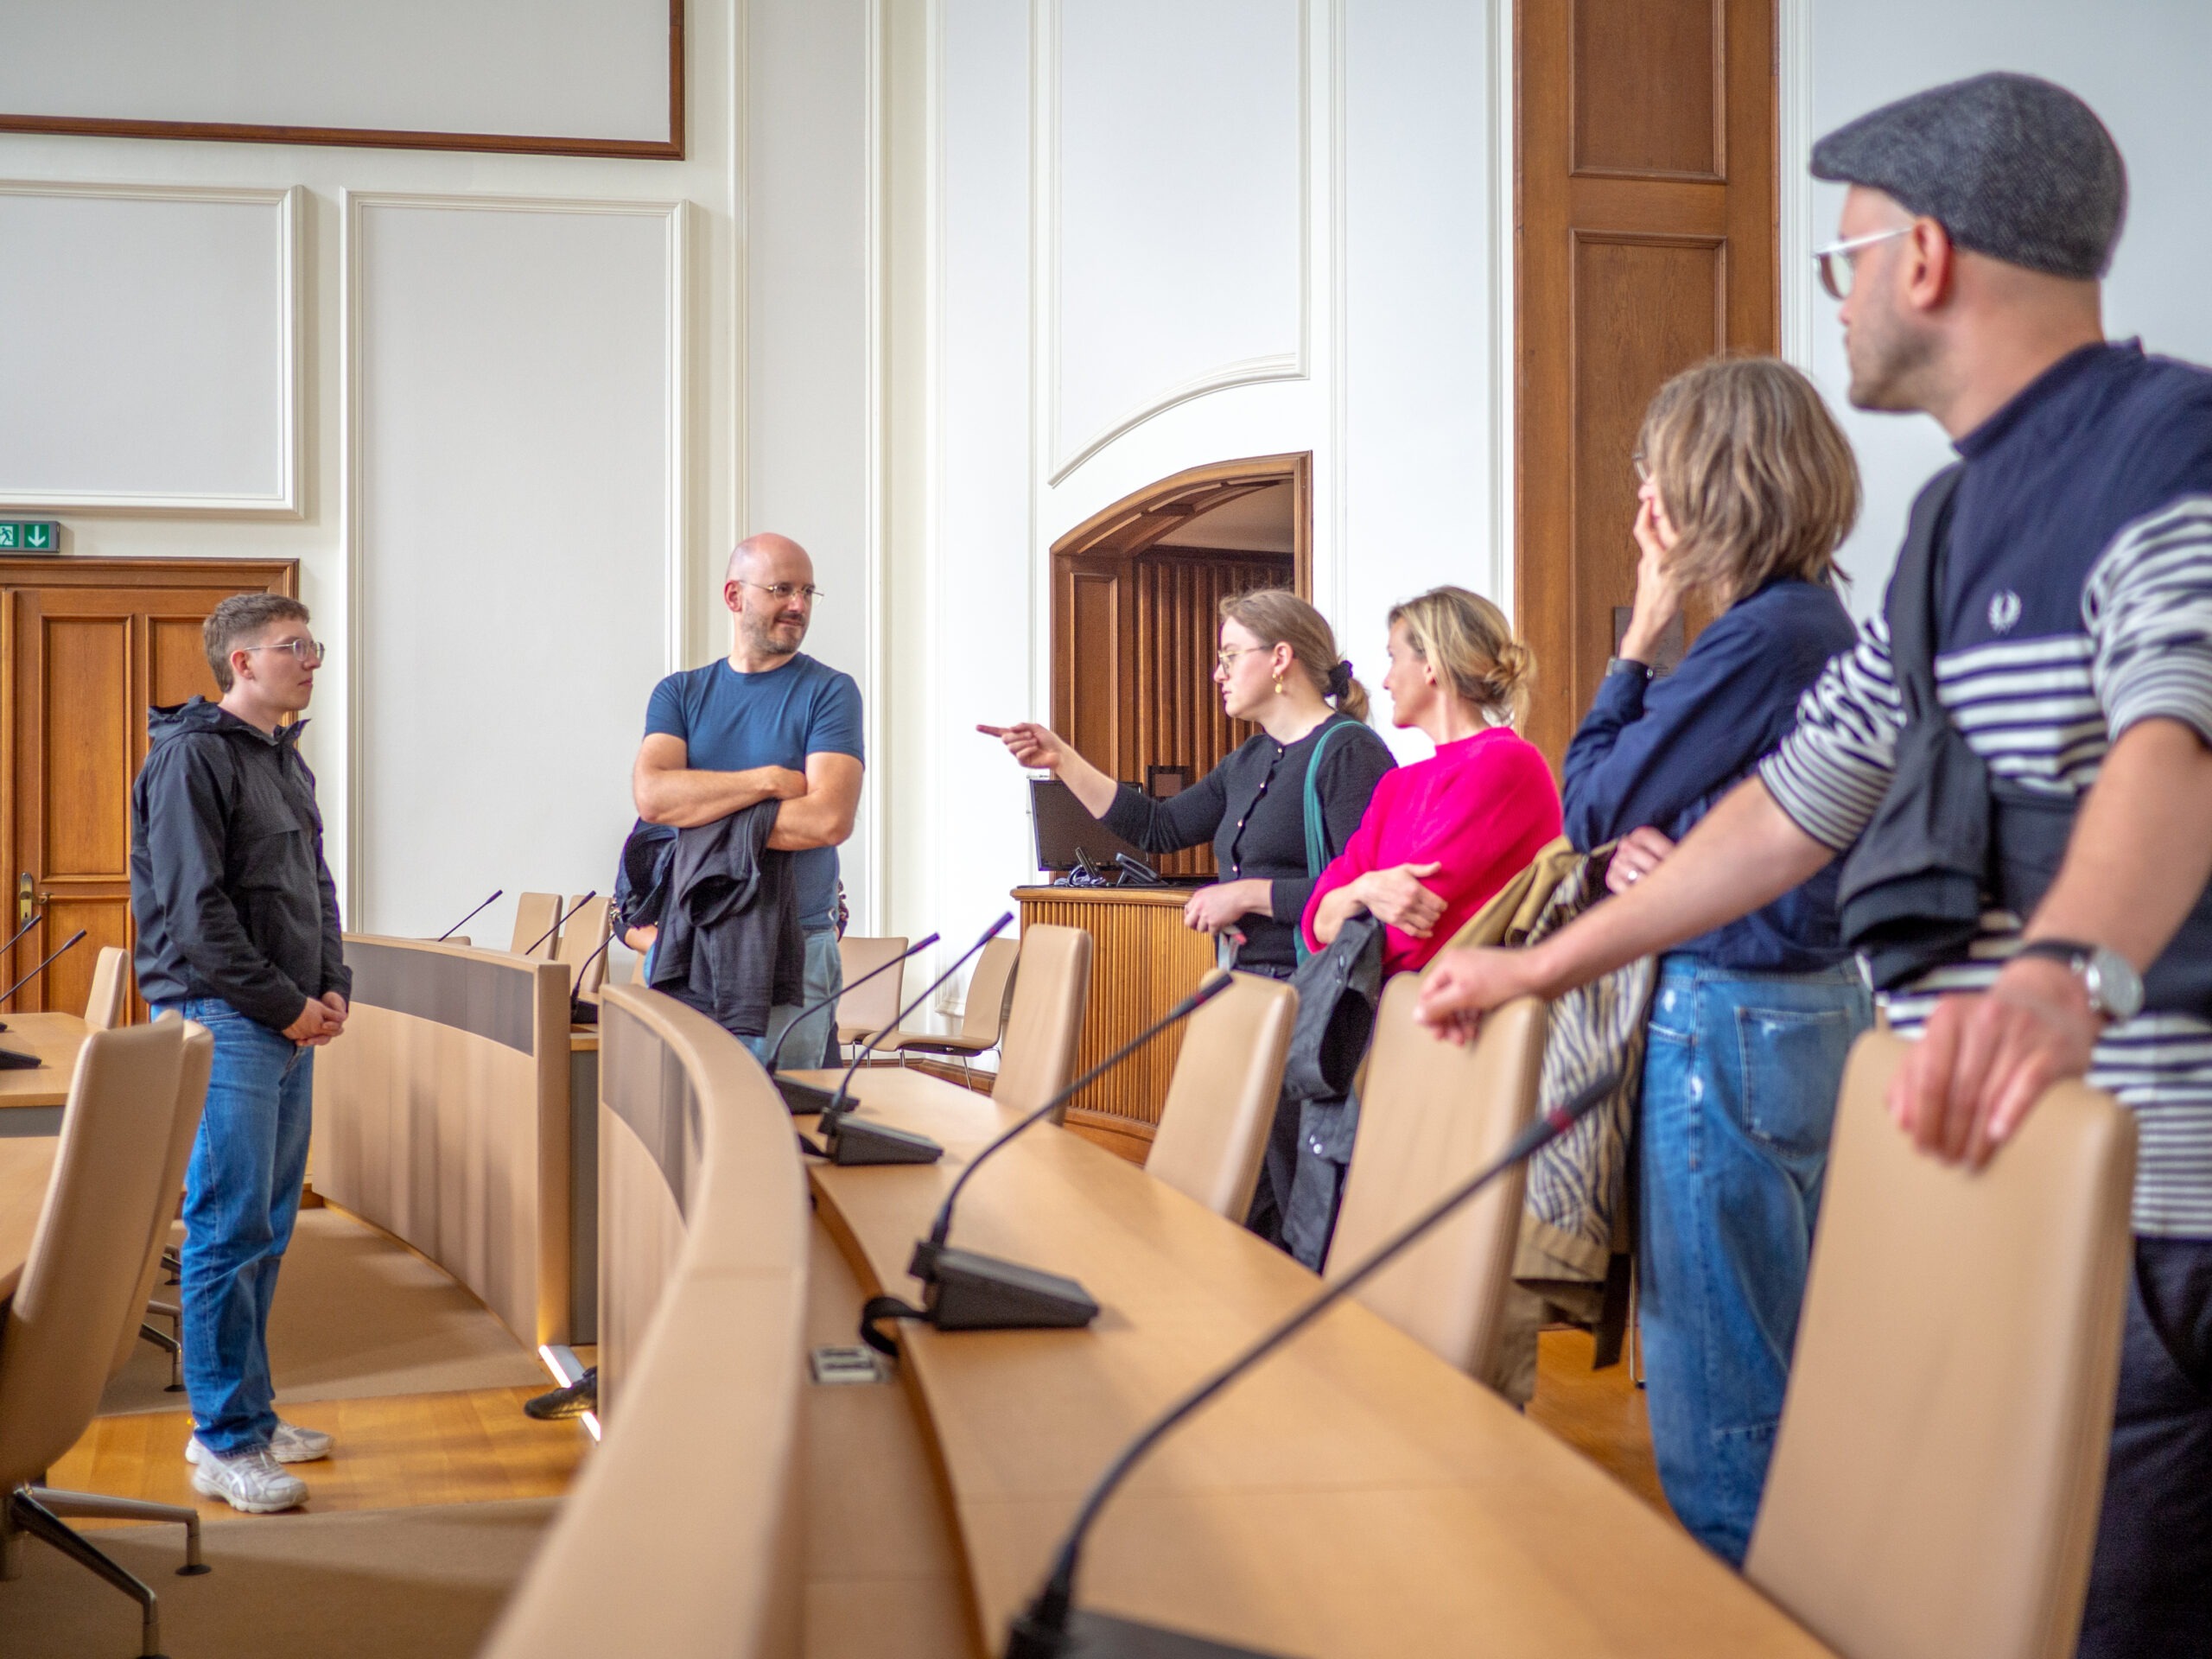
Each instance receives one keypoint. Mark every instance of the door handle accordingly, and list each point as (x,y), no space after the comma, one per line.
(26,894)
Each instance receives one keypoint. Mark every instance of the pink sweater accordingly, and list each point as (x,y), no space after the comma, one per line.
(1482,807)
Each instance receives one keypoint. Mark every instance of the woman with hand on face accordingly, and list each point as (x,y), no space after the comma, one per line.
(1441,836)
(1748,487)
(1277,667)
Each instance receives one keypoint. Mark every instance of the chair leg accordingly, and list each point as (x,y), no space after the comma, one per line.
(98,1506)
(171,1344)
(26,1512)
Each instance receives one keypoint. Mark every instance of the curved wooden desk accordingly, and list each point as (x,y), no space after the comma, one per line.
(31,1100)
(1353,1495)
(682,1536)
(442,1115)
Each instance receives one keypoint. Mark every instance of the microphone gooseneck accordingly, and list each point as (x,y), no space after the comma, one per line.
(42,967)
(1042,1629)
(577,984)
(559,922)
(467,919)
(35,919)
(776,1056)
(942,1228)
(842,1102)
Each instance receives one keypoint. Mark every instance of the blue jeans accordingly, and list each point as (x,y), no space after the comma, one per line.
(825,977)
(241,1196)
(1740,1078)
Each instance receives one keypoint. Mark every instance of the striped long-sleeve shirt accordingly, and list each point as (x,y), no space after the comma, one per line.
(2076,601)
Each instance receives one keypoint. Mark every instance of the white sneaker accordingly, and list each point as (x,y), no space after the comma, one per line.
(248,1480)
(289,1444)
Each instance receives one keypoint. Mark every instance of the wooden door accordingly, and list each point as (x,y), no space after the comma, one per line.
(1645,240)
(89,645)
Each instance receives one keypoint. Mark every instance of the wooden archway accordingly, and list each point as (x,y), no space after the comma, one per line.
(1133,627)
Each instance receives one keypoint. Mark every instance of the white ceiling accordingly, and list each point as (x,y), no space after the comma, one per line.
(1258,523)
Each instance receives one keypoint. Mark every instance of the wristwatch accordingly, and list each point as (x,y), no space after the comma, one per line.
(1627,665)
(2116,988)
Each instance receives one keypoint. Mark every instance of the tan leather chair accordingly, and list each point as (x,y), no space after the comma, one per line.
(111,979)
(192,1093)
(863,1012)
(589,927)
(1936,1479)
(534,915)
(80,1287)
(982,1016)
(1037,1059)
(1431,1113)
(1213,1125)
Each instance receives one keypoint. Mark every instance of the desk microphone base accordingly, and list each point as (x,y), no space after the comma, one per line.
(968,1292)
(1097,1635)
(11,1061)
(804,1099)
(850,1139)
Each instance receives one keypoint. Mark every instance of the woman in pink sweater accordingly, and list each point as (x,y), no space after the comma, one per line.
(1439,837)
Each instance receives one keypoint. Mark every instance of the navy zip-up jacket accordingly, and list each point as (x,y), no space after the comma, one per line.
(1661,751)
(228,886)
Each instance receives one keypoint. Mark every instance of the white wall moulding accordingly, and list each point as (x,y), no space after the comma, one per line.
(1174,213)
(149,344)
(515,403)
(552,77)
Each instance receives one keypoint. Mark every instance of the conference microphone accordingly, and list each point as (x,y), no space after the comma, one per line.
(467,919)
(35,919)
(9,1059)
(581,1013)
(1053,1624)
(964,1290)
(846,1141)
(559,922)
(805,1097)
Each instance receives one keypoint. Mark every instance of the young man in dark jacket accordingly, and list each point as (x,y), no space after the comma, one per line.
(238,929)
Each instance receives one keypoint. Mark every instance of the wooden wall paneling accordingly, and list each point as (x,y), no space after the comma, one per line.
(1645,240)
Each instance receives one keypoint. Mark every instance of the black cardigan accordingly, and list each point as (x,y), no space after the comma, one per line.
(1253,805)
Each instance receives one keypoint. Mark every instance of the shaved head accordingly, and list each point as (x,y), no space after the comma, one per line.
(769,588)
(748,557)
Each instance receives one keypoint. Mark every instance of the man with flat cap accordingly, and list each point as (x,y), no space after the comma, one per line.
(2056,588)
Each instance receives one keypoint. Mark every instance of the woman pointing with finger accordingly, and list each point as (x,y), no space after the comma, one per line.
(1277,667)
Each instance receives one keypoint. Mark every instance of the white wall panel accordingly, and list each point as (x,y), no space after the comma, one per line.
(515,402)
(812,385)
(556,68)
(147,344)
(2139,63)
(1177,163)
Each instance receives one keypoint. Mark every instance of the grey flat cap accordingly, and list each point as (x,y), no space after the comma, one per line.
(2011,165)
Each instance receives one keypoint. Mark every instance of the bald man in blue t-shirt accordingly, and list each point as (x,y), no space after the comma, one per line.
(768,722)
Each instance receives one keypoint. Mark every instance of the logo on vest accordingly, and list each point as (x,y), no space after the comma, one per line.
(2005,611)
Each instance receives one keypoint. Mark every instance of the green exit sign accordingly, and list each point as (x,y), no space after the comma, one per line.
(29,536)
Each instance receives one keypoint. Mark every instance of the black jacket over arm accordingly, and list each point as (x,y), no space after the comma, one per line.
(730,941)
(228,886)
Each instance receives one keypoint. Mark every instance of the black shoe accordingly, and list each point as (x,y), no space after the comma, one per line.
(579,1397)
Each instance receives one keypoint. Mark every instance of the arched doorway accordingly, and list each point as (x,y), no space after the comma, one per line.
(1136,593)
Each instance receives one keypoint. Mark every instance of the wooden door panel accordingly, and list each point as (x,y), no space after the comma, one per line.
(176,661)
(1097,645)
(1642,307)
(85,782)
(1645,85)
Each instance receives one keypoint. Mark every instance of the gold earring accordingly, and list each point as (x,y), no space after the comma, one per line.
(1279,683)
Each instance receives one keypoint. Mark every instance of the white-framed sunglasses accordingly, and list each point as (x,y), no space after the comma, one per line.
(1839,260)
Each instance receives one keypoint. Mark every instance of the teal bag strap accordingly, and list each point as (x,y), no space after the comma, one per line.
(1317,839)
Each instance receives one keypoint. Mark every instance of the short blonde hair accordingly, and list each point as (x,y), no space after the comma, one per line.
(1468,643)
(1276,616)
(1757,477)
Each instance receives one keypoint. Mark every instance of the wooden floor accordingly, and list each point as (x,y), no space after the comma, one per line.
(399,1452)
(1599,1414)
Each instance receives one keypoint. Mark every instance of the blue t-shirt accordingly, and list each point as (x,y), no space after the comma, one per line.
(733,722)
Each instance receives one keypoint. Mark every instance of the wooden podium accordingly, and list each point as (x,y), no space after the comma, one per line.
(1143,962)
